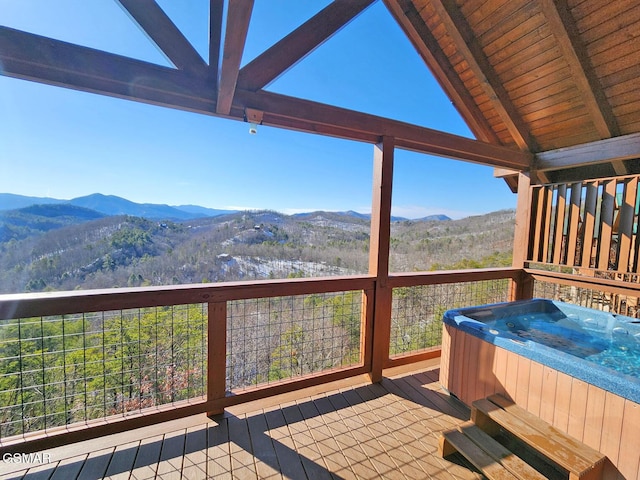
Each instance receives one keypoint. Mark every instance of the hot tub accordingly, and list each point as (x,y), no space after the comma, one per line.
(576,368)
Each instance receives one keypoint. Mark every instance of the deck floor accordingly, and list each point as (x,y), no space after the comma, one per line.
(359,431)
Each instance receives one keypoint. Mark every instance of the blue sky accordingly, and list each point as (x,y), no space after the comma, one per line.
(63,144)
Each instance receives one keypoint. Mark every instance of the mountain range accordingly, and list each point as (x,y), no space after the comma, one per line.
(109,205)
(113,205)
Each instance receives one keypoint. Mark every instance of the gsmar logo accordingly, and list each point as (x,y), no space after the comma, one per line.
(38,458)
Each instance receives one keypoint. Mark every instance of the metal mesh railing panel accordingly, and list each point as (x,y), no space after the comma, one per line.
(59,370)
(273,339)
(416,318)
(588,297)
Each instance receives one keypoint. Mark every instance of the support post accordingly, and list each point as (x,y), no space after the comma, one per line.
(216,354)
(522,288)
(379,257)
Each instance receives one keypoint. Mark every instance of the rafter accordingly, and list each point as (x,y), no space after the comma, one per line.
(163,32)
(614,149)
(415,28)
(295,46)
(32,57)
(238,16)
(461,33)
(566,33)
(215,36)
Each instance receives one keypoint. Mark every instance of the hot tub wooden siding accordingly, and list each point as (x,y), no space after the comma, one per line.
(472,368)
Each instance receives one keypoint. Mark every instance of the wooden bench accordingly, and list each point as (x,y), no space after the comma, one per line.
(579,460)
(488,456)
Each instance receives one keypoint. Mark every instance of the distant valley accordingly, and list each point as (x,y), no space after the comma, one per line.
(102,241)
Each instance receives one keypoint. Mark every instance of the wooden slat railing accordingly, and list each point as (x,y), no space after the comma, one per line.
(588,225)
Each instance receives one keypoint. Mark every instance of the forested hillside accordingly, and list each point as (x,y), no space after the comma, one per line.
(89,250)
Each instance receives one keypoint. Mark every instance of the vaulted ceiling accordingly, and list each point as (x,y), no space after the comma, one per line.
(547,86)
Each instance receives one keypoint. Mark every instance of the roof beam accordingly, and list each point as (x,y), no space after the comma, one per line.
(32,57)
(163,32)
(416,29)
(460,31)
(215,36)
(564,28)
(238,16)
(299,43)
(283,111)
(614,149)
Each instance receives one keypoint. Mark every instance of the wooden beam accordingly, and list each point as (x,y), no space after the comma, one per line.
(326,119)
(574,53)
(295,46)
(602,151)
(379,253)
(215,37)
(238,16)
(467,45)
(425,43)
(32,57)
(163,32)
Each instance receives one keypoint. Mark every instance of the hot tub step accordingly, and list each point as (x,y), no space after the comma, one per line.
(580,460)
(487,455)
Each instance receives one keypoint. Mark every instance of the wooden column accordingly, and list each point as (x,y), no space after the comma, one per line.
(522,288)
(217,355)
(379,257)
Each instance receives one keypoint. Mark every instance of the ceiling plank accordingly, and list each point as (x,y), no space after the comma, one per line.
(163,32)
(238,16)
(614,149)
(460,32)
(294,47)
(280,109)
(415,28)
(36,58)
(215,37)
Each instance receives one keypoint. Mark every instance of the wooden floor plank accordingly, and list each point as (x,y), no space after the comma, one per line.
(357,431)
(218,452)
(288,458)
(326,443)
(122,461)
(146,463)
(95,466)
(171,455)
(267,465)
(194,463)
(68,468)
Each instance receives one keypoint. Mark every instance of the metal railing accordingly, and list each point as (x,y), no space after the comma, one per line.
(416,317)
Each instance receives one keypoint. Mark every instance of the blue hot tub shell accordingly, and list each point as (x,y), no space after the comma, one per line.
(507,325)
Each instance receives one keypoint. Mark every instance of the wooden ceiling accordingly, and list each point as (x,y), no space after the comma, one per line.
(548,86)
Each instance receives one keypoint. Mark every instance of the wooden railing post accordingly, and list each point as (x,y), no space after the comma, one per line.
(216,354)
(379,257)
(521,289)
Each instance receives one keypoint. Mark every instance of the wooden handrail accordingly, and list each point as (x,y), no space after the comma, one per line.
(25,305)
(414,279)
(603,284)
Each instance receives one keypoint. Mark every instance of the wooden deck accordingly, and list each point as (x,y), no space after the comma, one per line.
(355,430)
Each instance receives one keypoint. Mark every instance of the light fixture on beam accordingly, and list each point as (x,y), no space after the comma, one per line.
(254,117)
